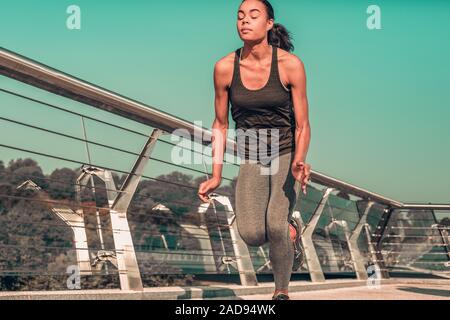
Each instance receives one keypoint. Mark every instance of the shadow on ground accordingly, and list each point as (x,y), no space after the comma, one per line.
(433,292)
(211,293)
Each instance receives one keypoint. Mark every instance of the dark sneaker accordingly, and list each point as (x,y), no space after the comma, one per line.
(281,296)
(294,228)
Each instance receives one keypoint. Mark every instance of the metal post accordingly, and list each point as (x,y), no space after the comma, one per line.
(129,275)
(358,259)
(333,261)
(244,262)
(372,249)
(314,267)
(378,237)
(76,223)
(97,214)
(217,255)
(205,244)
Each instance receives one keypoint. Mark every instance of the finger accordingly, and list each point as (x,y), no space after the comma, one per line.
(302,175)
(308,170)
(305,178)
(203,197)
(308,174)
(206,200)
(297,175)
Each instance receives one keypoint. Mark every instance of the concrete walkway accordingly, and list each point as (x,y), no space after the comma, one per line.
(299,290)
(406,291)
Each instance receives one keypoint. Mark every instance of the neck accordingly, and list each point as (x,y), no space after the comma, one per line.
(257,51)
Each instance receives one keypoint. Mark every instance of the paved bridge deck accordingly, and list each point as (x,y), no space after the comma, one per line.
(403,289)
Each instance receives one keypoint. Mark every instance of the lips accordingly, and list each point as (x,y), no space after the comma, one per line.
(245,29)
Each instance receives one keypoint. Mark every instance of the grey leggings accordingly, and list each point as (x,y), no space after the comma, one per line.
(264,205)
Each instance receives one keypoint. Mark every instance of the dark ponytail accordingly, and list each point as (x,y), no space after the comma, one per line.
(278,36)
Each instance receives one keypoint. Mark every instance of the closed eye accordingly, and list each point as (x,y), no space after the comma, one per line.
(254,14)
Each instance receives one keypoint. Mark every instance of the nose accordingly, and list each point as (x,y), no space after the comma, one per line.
(245,20)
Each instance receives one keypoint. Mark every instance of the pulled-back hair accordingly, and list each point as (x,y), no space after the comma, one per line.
(278,36)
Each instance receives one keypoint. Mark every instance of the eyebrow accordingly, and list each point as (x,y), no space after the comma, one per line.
(250,10)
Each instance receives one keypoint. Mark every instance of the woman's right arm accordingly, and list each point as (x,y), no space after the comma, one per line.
(220,124)
(222,78)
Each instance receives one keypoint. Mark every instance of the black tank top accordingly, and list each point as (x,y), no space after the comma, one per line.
(270,107)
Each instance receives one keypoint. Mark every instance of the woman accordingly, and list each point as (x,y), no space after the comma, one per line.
(266,86)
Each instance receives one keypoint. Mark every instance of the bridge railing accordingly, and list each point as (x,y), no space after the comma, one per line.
(96,195)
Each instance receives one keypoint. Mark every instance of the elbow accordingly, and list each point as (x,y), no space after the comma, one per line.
(303,126)
(304,129)
(220,124)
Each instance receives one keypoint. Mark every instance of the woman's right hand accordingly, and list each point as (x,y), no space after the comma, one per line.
(207,187)
(302,173)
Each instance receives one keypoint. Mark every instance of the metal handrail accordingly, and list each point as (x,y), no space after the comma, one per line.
(44,77)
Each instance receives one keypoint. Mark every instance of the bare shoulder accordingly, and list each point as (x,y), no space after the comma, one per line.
(289,61)
(224,62)
(223,69)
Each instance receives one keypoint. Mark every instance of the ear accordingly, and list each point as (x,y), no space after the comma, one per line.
(270,24)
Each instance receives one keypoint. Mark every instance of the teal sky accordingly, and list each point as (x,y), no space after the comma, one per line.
(379,99)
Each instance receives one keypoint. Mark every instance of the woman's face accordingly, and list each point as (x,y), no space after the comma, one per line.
(252,22)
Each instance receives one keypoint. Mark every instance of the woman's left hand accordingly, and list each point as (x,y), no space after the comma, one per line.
(301,172)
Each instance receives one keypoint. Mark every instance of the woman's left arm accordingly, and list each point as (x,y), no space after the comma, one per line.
(297,79)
